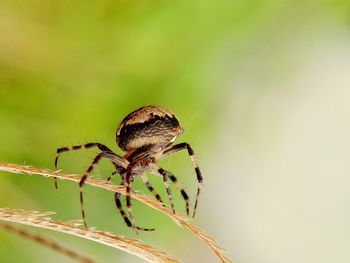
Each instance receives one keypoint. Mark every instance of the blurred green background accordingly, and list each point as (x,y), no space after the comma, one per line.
(261,87)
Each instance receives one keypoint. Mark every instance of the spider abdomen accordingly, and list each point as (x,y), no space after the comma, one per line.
(149,125)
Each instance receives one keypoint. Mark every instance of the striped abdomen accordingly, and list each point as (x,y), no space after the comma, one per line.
(149,125)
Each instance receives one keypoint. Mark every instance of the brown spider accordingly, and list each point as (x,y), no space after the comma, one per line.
(146,135)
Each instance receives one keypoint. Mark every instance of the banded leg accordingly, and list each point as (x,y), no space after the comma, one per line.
(160,171)
(151,189)
(117,161)
(128,196)
(182,190)
(119,204)
(118,170)
(111,176)
(182,146)
(78,147)
(125,217)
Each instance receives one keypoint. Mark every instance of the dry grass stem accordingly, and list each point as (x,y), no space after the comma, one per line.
(43,220)
(180,220)
(45,242)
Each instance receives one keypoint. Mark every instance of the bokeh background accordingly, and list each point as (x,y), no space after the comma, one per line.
(262,88)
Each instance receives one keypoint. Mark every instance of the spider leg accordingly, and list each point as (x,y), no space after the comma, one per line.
(128,196)
(160,171)
(182,190)
(78,147)
(111,176)
(182,146)
(117,161)
(168,191)
(125,217)
(150,188)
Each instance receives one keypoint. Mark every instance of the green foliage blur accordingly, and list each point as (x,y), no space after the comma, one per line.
(71,70)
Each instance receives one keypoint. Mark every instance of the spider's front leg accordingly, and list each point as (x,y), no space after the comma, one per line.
(151,189)
(165,176)
(182,191)
(125,217)
(115,159)
(89,145)
(155,169)
(118,203)
(127,182)
(185,146)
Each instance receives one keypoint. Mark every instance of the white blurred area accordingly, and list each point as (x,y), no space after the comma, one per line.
(279,174)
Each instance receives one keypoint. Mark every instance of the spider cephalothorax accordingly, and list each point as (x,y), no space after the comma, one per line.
(146,135)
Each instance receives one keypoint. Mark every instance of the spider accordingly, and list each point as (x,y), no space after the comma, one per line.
(146,136)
